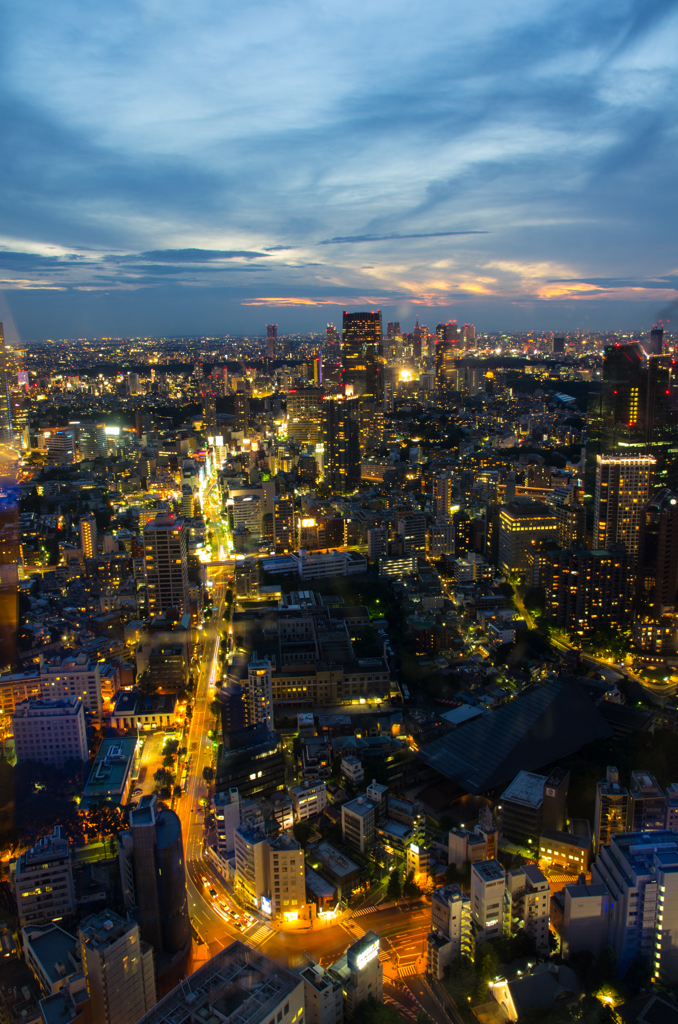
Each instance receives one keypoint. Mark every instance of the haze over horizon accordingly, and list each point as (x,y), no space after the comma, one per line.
(175,171)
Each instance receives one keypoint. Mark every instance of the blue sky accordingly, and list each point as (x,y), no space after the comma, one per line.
(176,168)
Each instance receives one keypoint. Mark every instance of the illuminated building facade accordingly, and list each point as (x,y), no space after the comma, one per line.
(360,350)
(519,524)
(622,490)
(166,564)
(588,589)
(283,524)
(304,415)
(259,692)
(341,441)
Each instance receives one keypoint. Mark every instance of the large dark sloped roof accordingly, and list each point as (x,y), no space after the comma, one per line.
(543,725)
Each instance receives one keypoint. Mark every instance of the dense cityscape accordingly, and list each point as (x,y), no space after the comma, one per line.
(339,677)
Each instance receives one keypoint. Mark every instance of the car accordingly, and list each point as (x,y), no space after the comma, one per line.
(213,893)
(137,791)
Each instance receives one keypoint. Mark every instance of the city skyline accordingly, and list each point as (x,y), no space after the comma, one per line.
(202,173)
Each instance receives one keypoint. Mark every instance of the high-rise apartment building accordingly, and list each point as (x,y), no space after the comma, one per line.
(640,871)
(72,675)
(88,535)
(260,692)
(283,524)
(588,589)
(447,359)
(304,415)
(271,340)
(622,490)
(118,966)
(43,881)
(341,441)
(443,486)
(657,566)
(360,350)
(166,564)
(242,412)
(50,731)
(611,815)
(209,413)
(451,934)
(412,530)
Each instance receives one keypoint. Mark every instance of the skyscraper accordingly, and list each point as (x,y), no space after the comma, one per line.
(88,535)
(341,442)
(154,878)
(259,692)
(242,412)
(447,356)
(166,564)
(360,349)
(283,523)
(209,413)
(442,494)
(304,407)
(622,489)
(657,568)
(271,339)
(5,403)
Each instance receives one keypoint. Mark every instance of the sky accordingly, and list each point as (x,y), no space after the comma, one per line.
(207,167)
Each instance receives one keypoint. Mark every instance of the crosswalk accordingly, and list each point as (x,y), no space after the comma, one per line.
(259,935)
(372,910)
(383,956)
(406,970)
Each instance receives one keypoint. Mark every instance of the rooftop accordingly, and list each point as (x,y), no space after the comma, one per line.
(51,945)
(238,983)
(527,788)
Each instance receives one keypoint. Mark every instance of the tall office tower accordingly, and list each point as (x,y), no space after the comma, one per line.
(283,524)
(416,339)
(5,401)
(622,489)
(558,347)
(242,412)
(88,535)
(119,968)
(640,871)
(360,349)
(152,867)
(443,485)
(451,934)
(448,331)
(318,369)
(259,692)
(611,816)
(393,329)
(91,439)
(132,384)
(647,803)
(166,564)
(219,377)
(657,568)
(447,359)
(304,414)
(488,884)
(341,440)
(468,336)
(209,413)
(656,341)
(271,339)
(331,335)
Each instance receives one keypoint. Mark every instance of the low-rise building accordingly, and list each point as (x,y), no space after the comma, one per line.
(52,955)
(338,868)
(309,799)
(145,711)
(119,967)
(359,823)
(270,873)
(583,919)
(352,770)
(529,898)
(73,676)
(112,773)
(323,996)
(43,881)
(360,973)
(50,731)
(571,853)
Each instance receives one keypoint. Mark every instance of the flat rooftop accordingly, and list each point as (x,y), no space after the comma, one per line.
(238,983)
(527,788)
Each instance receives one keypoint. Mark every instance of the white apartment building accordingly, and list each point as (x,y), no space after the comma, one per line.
(226,810)
(323,996)
(270,874)
(529,903)
(308,799)
(352,769)
(451,934)
(119,968)
(640,871)
(242,979)
(50,731)
(488,885)
(73,676)
(43,881)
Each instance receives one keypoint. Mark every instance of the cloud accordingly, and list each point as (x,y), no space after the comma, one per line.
(388,238)
(189,255)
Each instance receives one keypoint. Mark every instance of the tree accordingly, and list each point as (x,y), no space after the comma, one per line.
(302,832)
(423,1018)
(208,773)
(394,888)
(215,707)
(410,888)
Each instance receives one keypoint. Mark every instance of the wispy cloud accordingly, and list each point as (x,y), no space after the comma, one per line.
(152,144)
